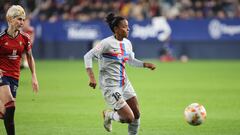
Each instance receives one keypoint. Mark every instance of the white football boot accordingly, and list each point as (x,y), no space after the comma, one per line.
(107,121)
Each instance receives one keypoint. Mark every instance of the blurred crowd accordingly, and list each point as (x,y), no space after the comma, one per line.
(85,10)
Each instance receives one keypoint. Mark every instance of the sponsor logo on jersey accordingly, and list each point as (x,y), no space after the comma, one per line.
(14,55)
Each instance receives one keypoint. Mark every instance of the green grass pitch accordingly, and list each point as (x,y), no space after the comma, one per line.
(66,105)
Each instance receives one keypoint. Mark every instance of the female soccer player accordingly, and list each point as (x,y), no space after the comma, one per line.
(113,52)
(12,44)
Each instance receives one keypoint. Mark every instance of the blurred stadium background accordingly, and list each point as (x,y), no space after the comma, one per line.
(67,29)
(205,31)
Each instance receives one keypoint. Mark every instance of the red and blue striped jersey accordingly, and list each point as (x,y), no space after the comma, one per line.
(112,55)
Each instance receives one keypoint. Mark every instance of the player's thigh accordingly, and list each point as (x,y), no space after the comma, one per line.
(113,97)
(133,104)
(130,96)
(5,94)
(2,109)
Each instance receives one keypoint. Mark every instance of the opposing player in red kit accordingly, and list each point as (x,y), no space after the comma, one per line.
(12,44)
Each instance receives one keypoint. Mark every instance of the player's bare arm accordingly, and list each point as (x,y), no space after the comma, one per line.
(92,80)
(31,64)
(149,65)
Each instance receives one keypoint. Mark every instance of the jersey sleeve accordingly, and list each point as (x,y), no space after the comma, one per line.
(132,60)
(28,45)
(94,53)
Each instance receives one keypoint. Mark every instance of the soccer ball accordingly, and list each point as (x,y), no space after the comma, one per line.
(195,114)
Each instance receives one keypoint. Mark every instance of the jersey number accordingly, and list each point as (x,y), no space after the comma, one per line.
(116,95)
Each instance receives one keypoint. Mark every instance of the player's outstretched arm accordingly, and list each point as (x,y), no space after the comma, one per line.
(92,80)
(149,65)
(31,64)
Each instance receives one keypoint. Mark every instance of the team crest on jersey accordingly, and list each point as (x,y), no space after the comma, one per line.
(119,56)
(6,43)
(20,43)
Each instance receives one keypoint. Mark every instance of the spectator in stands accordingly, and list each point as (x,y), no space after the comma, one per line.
(85,10)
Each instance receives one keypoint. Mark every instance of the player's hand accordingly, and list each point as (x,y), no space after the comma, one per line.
(35,85)
(93,83)
(149,65)
(1,72)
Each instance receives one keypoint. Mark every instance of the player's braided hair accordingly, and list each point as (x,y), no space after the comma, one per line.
(113,20)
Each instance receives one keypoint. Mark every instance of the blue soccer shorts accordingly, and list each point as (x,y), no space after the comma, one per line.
(11,82)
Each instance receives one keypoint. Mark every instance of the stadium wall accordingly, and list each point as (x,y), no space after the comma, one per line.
(198,39)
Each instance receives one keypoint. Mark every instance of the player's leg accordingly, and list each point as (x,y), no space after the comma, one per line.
(123,115)
(2,109)
(134,126)
(9,104)
(129,113)
(121,111)
(130,96)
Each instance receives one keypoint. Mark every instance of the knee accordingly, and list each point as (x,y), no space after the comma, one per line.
(10,104)
(9,112)
(129,119)
(137,115)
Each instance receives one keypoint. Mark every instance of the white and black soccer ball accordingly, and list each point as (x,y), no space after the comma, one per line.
(195,114)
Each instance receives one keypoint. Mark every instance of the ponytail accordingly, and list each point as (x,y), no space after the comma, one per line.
(113,20)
